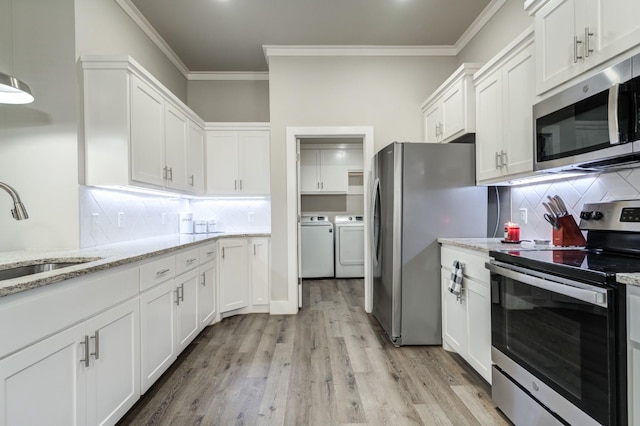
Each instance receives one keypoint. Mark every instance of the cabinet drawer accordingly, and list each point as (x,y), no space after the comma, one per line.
(187,260)
(473,262)
(157,271)
(208,253)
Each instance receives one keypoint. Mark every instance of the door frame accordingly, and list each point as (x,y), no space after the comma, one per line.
(292,136)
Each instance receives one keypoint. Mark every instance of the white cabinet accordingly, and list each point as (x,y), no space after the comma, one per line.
(323,171)
(187,321)
(259,260)
(450,111)
(195,159)
(573,36)
(504,123)
(86,374)
(466,319)
(207,290)
(233,273)
(633,353)
(237,162)
(136,132)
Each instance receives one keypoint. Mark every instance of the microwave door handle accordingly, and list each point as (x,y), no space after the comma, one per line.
(614,130)
(589,296)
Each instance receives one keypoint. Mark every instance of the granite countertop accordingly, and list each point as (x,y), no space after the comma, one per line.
(485,245)
(630,279)
(99,258)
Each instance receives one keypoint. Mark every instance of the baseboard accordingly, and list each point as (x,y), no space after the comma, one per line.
(283,307)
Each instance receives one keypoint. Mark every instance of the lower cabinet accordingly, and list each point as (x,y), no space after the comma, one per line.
(633,354)
(86,374)
(207,293)
(187,322)
(259,255)
(234,283)
(466,319)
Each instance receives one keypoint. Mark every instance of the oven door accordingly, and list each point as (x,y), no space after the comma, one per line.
(563,334)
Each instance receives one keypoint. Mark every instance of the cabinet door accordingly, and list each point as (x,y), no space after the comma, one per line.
(333,170)
(355,159)
(454,317)
(176,125)
(518,97)
(233,274)
(453,111)
(615,27)
(254,166)
(44,384)
(195,155)
(207,294)
(259,271)
(147,134)
(222,162)
(113,376)
(187,322)
(309,170)
(432,123)
(556,25)
(157,332)
(489,131)
(479,327)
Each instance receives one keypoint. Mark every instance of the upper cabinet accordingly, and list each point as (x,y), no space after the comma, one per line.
(136,132)
(237,159)
(450,111)
(504,100)
(573,36)
(323,171)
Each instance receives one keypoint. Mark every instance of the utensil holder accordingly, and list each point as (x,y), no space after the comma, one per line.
(569,234)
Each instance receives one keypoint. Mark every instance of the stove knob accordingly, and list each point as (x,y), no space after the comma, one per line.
(586,215)
(597,215)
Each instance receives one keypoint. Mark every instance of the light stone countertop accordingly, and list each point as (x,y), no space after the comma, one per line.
(485,245)
(630,279)
(100,258)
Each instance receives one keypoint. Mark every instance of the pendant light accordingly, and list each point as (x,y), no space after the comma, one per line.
(14,91)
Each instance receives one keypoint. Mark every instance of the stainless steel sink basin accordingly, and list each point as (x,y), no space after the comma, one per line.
(41,266)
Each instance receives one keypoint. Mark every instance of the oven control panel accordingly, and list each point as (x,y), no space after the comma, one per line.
(621,215)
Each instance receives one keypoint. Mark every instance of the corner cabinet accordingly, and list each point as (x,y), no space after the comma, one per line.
(450,111)
(136,132)
(573,36)
(237,159)
(466,319)
(504,122)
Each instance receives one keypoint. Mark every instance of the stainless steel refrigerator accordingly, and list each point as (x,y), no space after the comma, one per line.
(421,192)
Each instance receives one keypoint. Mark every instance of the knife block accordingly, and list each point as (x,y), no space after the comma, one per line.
(569,234)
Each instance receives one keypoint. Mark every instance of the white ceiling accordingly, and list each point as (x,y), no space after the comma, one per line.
(228,35)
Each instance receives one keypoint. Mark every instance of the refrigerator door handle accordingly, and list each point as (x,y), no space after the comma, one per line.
(374,222)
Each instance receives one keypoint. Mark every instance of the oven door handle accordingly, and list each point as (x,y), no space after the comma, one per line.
(595,297)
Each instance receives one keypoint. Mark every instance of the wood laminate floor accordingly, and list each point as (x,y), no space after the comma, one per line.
(329,365)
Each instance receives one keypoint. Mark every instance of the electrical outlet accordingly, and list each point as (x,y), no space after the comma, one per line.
(120,219)
(523,215)
(95,221)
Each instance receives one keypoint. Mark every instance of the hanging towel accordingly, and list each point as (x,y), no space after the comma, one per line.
(455,283)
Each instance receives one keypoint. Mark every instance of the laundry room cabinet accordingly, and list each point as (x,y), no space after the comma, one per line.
(323,171)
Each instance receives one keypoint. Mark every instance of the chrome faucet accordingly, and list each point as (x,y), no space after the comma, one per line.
(19,212)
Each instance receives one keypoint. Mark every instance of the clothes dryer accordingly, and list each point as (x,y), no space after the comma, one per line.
(349,246)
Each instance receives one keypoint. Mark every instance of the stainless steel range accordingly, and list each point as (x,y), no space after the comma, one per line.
(558,320)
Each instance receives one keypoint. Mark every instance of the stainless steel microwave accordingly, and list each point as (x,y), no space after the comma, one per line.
(593,125)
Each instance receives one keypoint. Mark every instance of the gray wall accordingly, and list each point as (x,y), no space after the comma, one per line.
(224,101)
(383,92)
(506,24)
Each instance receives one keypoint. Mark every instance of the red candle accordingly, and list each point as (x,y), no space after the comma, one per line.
(513,232)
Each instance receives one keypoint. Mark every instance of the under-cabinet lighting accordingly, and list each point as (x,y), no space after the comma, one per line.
(542,178)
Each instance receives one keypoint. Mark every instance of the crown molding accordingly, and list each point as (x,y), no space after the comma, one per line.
(223,75)
(475,27)
(142,22)
(273,50)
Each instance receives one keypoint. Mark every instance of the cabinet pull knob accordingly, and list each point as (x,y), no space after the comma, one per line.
(86,351)
(96,345)
(587,45)
(576,42)
(163,271)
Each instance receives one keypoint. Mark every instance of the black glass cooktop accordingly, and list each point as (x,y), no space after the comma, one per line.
(582,264)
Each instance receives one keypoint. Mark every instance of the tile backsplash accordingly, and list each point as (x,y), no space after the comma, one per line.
(111,216)
(621,185)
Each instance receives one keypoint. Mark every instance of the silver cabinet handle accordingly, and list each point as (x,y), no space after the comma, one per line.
(587,42)
(240,184)
(171,174)
(163,271)
(223,252)
(254,249)
(498,158)
(190,261)
(165,172)
(191,180)
(318,185)
(178,296)
(209,253)
(96,345)
(503,158)
(86,351)
(235,184)
(576,42)
(203,280)
(321,185)
(182,293)
(612,112)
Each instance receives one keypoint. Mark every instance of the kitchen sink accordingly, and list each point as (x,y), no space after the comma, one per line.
(41,266)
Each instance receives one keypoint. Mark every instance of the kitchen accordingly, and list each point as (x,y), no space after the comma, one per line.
(385,94)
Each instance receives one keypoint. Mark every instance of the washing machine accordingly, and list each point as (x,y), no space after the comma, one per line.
(317,247)
(349,246)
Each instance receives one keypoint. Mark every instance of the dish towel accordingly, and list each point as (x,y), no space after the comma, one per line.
(455,283)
